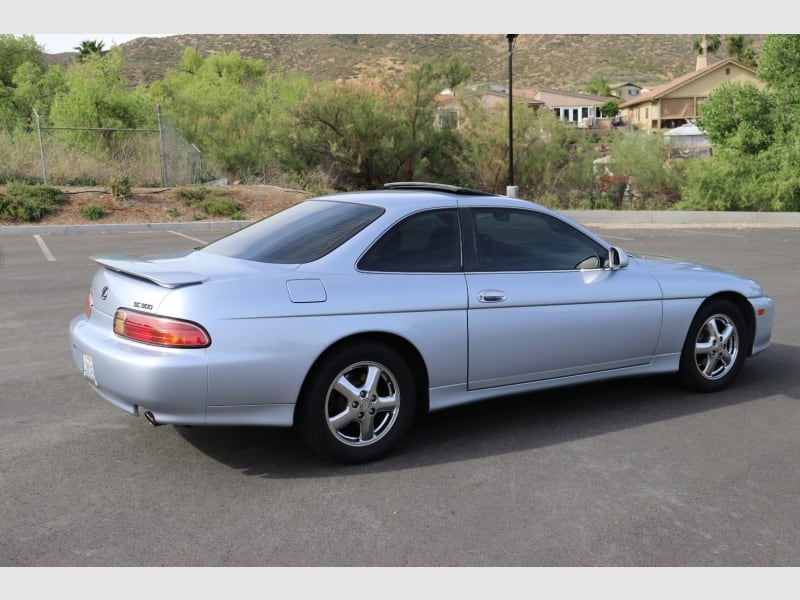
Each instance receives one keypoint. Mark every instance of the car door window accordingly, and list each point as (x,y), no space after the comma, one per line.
(427,242)
(526,240)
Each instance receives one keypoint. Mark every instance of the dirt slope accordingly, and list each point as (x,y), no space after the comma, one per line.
(164,205)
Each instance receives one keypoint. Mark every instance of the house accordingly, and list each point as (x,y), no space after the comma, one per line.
(625,90)
(581,109)
(449,111)
(574,107)
(676,102)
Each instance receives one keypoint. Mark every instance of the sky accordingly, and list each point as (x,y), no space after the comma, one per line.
(58,19)
(55,43)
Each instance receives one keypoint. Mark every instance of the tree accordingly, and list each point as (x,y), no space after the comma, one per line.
(713,43)
(15,52)
(455,72)
(610,108)
(741,49)
(544,166)
(363,135)
(230,107)
(738,116)
(598,86)
(779,67)
(89,48)
(96,96)
(756,156)
(33,87)
(640,157)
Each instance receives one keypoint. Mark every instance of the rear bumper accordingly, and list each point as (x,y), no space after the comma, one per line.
(170,383)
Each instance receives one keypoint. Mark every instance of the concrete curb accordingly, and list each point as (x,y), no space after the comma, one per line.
(588,218)
(668,218)
(121,227)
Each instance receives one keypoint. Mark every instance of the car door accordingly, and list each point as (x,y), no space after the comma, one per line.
(411,283)
(543,304)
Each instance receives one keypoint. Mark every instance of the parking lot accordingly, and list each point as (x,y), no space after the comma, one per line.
(632,473)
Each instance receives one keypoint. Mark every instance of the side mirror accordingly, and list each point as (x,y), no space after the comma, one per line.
(617,259)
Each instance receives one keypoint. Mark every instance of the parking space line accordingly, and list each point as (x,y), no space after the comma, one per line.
(619,237)
(45,250)
(188,237)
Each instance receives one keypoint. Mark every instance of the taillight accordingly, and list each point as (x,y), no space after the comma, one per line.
(88,304)
(159,331)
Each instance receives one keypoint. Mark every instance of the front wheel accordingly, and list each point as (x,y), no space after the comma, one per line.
(714,350)
(358,404)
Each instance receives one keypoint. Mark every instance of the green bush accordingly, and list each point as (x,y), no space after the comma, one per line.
(221,207)
(29,203)
(211,201)
(190,196)
(93,212)
(81,180)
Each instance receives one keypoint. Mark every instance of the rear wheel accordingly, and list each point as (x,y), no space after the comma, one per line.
(714,350)
(358,403)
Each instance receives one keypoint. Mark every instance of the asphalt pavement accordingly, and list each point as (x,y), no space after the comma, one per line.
(630,473)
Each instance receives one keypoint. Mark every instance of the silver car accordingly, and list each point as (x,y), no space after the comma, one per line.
(346,315)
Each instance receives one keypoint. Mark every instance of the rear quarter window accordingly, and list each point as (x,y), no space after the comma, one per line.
(300,234)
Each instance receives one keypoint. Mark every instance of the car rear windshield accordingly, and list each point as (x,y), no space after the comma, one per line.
(302,233)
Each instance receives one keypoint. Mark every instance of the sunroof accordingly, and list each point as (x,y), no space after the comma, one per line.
(438,187)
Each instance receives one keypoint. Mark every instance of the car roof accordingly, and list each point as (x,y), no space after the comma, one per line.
(405,195)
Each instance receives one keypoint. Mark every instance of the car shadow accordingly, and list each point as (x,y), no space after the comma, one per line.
(505,425)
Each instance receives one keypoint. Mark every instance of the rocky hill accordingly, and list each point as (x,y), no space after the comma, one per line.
(566,61)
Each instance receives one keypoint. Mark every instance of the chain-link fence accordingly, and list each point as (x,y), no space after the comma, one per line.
(158,155)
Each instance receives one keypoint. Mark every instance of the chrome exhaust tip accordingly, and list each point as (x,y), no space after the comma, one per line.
(151,418)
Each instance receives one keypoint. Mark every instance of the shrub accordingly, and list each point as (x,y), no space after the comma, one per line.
(221,207)
(211,201)
(81,180)
(190,196)
(120,186)
(93,212)
(29,203)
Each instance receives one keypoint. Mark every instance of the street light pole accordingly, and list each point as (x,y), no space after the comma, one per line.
(511,189)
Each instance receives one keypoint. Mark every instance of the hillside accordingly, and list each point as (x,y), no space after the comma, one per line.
(548,60)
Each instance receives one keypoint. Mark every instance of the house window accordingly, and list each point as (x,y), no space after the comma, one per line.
(646,113)
(727,70)
(448,118)
(633,92)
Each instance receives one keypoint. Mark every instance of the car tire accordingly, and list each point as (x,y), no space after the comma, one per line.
(715,347)
(358,404)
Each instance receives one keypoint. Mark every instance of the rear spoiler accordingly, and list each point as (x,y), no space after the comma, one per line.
(153,272)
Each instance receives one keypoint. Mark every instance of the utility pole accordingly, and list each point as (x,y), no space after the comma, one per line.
(511,189)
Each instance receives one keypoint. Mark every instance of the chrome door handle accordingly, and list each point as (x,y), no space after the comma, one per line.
(492,296)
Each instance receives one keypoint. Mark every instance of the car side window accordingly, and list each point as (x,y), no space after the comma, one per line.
(526,240)
(426,242)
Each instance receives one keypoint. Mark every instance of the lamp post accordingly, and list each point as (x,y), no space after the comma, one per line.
(511,189)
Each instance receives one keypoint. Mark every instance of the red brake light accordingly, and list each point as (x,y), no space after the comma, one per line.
(159,331)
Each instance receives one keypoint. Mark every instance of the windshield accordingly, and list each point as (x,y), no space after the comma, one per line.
(302,233)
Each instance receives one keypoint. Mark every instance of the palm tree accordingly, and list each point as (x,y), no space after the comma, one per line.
(89,48)
(712,40)
(741,49)
(598,86)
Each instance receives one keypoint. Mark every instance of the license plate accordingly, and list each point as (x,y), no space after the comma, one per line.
(88,368)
